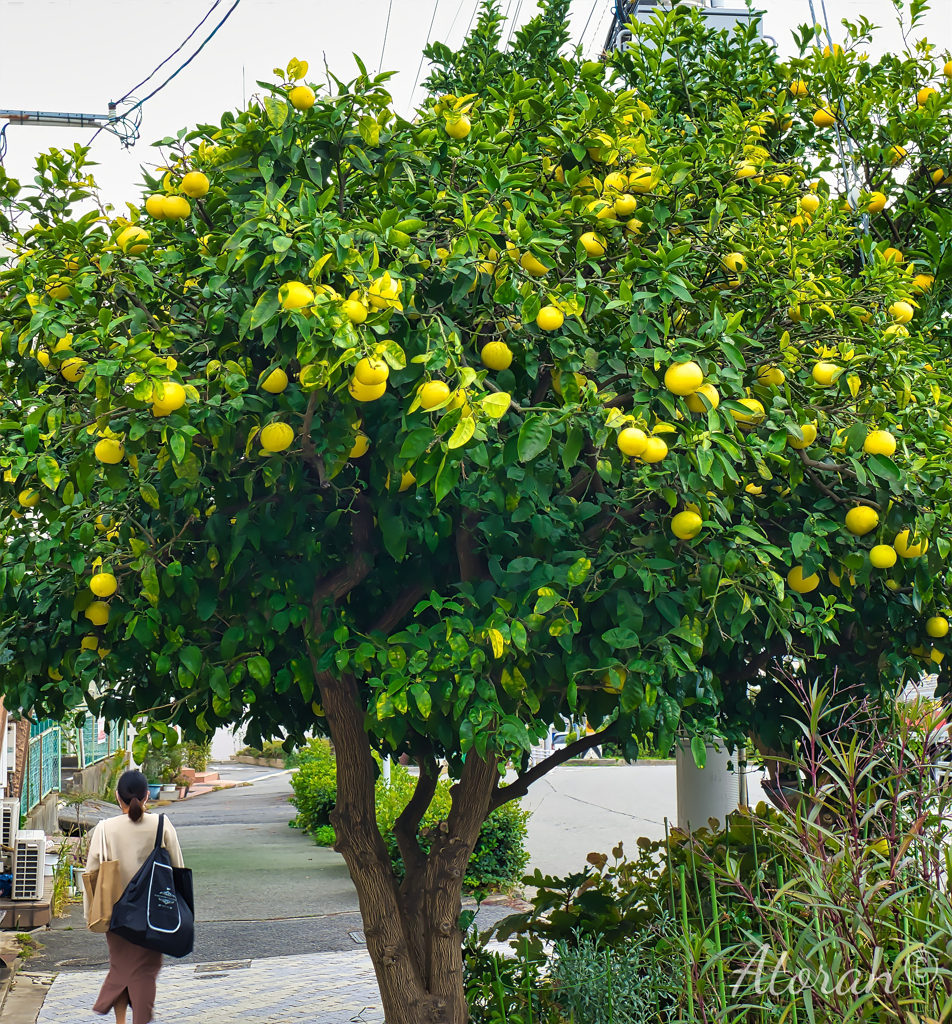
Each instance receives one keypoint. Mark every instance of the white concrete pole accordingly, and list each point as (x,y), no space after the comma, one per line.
(386,770)
(713,791)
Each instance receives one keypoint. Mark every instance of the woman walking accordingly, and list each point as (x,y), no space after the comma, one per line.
(129,838)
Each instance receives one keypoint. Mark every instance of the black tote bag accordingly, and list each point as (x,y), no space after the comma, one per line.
(157,910)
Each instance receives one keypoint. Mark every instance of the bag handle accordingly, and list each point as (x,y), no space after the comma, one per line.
(159,831)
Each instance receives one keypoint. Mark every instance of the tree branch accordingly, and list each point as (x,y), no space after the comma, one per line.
(470,566)
(401,607)
(828,491)
(136,301)
(348,576)
(621,402)
(308,445)
(520,787)
(406,827)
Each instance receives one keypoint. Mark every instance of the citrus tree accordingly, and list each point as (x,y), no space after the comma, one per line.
(585,393)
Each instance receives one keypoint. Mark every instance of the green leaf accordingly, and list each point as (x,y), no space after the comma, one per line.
(259,669)
(424,701)
(47,469)
(416,443)
(446,480)
(534,437)
(699,751)
(496,404)
(572,447)
(884,467)
(276,109)
(621,638)
(191,658)
(578,572)
(230,641)
(265,308)
(463,432)
(149,495)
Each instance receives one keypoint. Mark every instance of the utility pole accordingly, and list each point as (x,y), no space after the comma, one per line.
(113,122)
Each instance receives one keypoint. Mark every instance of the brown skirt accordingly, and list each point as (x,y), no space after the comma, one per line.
(132,972)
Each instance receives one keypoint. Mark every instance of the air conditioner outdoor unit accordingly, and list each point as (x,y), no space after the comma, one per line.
(28,860)
(9,824)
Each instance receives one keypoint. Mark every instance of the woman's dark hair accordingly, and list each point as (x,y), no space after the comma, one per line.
(133,791)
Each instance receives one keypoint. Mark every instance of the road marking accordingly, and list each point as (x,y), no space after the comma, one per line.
(270,775)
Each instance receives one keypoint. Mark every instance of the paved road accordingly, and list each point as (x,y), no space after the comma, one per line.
(262,889)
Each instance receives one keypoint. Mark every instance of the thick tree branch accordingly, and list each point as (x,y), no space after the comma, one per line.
(340,583)
(470,567)
(542,387)
(520,787)
(406,827)
(308,445)
(137,302)
(621,402)
(401,607)
(828,491)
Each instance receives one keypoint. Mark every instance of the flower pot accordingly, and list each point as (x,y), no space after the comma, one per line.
(154,790)
(169,792)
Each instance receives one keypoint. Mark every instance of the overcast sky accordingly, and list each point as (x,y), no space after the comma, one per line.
(76,55)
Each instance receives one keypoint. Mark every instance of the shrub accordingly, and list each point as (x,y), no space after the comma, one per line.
(197,755)
(498,859)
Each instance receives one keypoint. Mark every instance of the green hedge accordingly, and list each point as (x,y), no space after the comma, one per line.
(499,858)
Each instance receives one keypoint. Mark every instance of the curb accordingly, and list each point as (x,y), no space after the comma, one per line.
(7,976)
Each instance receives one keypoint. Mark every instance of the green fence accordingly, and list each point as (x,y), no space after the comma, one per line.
(44,761)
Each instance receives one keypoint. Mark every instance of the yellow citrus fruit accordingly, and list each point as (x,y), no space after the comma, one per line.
(459,128)
(907,550)
(615,181)
(625,206)
(891,255)
(896,155)
(371,371)
(947,69)
(28,498)
(745,169)
(109,451)
(133,240)
(275,437)
(686,525)
(42,357)
(103,584)
(532,266)
(73,369)
(366,392)
(901,312)
(632,441)
(640,180)
(103,523)
(97,613)
(936,656)
(810,204)
(654,450)
(862,520)
(360,446)
(384,292)
(734,262)
(879,442)
(356,312)
(809,436)
(922,283)
(824,117)
(695,404)
(295,295)
(937,626)
(837,50)
(754,416)
(612,686)
(154,207)
(683,378)
(276,381)
(877,202)
(549,318)
(173,397)
(433,392)
(883,556)
(770,376)
(302,97)
(593,243)
(799,88)
(922,96)
(801,584)
(89,643)
(195,184)
(175,208)
(497,355)
(826,373)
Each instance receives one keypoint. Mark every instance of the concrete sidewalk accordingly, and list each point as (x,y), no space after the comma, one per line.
(332,988)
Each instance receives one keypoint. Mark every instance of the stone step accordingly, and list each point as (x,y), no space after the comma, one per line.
(204,778)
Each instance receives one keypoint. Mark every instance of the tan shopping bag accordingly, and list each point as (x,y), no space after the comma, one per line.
(103,887)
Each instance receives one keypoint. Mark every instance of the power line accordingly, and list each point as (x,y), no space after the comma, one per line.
(429,32)
(138,104)
(581,38)
(135,88)
(386,32)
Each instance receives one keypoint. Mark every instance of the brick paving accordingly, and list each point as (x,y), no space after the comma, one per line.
(318,988)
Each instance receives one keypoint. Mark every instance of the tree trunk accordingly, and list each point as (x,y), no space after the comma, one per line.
(412,929)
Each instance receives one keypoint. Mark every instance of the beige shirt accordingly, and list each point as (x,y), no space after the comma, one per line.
(129,842)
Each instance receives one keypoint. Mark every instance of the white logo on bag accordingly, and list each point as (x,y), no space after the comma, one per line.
(163,893)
